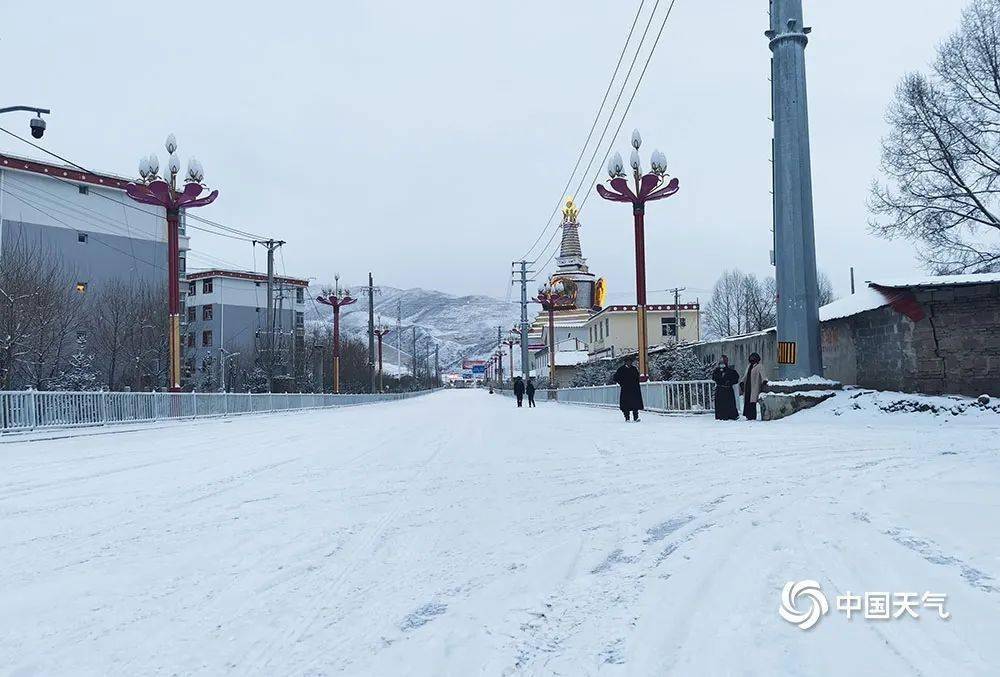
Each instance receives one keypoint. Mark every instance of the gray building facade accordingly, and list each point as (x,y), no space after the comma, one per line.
(226,326)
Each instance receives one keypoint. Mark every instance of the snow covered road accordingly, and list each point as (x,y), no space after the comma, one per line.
(456,535)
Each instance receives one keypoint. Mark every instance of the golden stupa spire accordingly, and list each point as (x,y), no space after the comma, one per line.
(570,211)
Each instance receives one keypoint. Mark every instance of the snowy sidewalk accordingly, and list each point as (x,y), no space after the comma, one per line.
(456,535)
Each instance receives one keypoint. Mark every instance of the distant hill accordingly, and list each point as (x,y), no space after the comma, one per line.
(462,326)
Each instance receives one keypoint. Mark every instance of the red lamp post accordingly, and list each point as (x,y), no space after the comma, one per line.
(380,331)
(648,187)
(553,297)
(156,191)
(510,342)
(336,299)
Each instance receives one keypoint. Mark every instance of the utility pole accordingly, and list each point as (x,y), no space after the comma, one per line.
(677,313)
(437,367)
(500,351)
(371,290)
(414,356)
(852,280)
(523,273)
(399,336)
(271,246)
(371,331)
(799,353)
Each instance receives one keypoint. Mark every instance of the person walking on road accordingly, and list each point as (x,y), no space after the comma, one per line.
(725,378)
(519,390)
(630,393)
(531,391)
(752,386)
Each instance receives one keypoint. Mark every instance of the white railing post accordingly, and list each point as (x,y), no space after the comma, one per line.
(32,411)
(104,407)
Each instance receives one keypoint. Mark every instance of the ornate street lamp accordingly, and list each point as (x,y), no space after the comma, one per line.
(336,299)
(152,190)
(648,187)
(553,296)
(380,331)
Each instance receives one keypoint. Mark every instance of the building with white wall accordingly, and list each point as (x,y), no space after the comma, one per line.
(612,331)
(86,221)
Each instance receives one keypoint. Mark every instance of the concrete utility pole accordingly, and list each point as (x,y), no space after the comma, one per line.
(523,273)
(414,356)
(271,246)
(399,336)
(500,351)
(371,332)
(676,291)
(799,352)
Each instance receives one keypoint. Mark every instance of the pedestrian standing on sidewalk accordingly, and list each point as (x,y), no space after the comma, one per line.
(752,386)
(519,389)
(725,378)
(630,393)
(531,391)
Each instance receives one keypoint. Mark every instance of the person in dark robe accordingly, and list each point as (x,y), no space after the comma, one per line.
(519,389)
(630,394)
(531,391)
(751,387)
(725,378)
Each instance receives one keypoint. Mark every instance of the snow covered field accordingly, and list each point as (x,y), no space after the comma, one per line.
(456,535)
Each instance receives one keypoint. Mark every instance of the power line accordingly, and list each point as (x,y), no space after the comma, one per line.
(635,57)
(235,231)
(593,126)
(628,107)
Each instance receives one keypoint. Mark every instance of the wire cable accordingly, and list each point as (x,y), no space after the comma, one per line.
(593,126)
(628,106)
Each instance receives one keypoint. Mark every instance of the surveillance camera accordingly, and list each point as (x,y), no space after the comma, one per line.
(37,127)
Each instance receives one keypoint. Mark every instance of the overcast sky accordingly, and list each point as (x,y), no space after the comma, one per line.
(428,142)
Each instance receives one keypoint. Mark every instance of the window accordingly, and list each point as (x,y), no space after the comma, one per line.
(182,264)
(191,340)
(192,288)
(206,286)
(81,287)
(206,339)
(83,189)
(668,326)
(206,312)
(191,313)
(81,237)
(300,295)
(300,320)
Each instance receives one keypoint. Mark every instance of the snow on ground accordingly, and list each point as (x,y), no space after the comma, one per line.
(457,535)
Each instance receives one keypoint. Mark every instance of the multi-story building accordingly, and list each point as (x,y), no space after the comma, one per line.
(227,325)
(86,222)
(612,330)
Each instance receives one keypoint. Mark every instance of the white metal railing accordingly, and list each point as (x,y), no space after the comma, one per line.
(694,397)
(33,409)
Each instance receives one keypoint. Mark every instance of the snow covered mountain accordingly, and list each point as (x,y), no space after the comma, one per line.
(462,326)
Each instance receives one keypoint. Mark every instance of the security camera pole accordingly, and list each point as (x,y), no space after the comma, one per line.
(153,190)
(648,187)
(336,299)
(37,123)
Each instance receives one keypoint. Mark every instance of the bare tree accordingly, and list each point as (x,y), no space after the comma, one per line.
(742,303)
(40,311)
(942,155)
